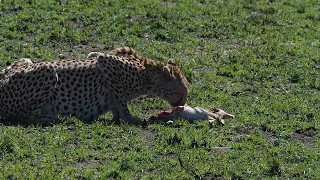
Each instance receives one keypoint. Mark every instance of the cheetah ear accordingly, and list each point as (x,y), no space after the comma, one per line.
(168,73)
(94,54)
(172,62)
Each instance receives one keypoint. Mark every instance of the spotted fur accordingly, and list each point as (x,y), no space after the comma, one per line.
(87,89)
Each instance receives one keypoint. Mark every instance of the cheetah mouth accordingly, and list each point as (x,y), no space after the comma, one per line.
(179,103)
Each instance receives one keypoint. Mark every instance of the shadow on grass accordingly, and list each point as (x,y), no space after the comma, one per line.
(68,121)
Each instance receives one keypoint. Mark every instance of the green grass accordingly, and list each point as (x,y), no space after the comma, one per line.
(258,60)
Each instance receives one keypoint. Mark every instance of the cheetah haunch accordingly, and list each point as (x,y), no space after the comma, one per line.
(40,92)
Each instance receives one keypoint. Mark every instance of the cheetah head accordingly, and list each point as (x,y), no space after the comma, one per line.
(156,78)
(169,83)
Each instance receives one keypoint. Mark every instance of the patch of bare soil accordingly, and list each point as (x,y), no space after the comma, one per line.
(84,46)
(270,134)
(149,137)
(168,4)
(241,133)
(77,25)
(78,50)
(203,69)
(212,176)
(305,136)
(89,163)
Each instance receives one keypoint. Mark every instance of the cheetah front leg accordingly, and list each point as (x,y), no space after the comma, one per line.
(115,116)
(125,115)
(121,111)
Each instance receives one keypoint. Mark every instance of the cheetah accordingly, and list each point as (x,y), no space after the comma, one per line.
(43,91)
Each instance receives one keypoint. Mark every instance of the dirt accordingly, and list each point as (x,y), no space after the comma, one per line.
(85,46)
(79,51)
(87,164)
(77,25)
(149,137)
(168,4)
(306,136)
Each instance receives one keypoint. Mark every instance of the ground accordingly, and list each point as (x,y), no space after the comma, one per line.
(258,60)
